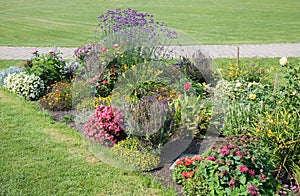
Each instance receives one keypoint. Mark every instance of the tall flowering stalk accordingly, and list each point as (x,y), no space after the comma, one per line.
(136,30)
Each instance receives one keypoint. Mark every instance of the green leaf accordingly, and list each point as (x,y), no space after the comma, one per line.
(243,179)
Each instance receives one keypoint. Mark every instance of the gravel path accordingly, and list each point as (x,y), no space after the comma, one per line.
(214,51)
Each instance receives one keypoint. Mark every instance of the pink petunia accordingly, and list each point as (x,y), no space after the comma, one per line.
(104,82)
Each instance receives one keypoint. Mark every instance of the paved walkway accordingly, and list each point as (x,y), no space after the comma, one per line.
(214,51)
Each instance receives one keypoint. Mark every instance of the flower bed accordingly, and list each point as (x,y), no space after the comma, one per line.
(139,105)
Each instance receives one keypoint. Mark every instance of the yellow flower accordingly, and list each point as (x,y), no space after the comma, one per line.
(257,131)
(285,131)
(270,133)
(270,121)
(252,96)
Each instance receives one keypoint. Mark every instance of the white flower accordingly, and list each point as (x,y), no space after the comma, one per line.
(238,84)
(283,61)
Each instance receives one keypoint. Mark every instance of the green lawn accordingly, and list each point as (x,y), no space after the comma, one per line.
(72,22)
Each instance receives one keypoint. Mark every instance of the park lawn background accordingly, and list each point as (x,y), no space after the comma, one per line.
(71,23)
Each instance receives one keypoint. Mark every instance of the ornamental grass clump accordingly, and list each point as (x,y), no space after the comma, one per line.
(31,87)
(105,126)
(240,167)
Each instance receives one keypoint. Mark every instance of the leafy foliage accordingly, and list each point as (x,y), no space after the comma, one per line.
(49,67)
(240,167)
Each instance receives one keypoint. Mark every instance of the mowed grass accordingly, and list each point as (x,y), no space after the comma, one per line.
(72,22)
(4,64)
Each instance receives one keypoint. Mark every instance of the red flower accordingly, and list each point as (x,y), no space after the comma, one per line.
(187,85)
(104,82)
(178,163)
(232,182)
(103,49)
(187,174)
(189,161)
(243,168)
(197,158)
(262,177)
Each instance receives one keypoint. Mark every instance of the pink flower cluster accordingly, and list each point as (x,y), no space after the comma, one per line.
(105,125)
(187,86)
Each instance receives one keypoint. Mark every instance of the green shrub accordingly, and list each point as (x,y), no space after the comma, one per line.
(50,67)
(30,87)
(58,98)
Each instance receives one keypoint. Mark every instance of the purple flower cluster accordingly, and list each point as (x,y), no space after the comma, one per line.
(80,53)
(135,29)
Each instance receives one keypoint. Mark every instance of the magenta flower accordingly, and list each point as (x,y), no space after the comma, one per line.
(253,190)
(211,158)
(243,168)
(224,151)
(104,82)
(239,153)
(187,86)
(232,182)
(251,172)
